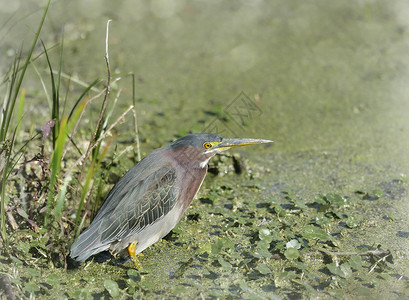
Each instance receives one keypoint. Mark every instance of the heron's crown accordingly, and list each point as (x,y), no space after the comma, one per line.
(195,140)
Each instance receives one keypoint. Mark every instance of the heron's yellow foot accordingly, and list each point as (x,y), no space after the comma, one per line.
(134,257)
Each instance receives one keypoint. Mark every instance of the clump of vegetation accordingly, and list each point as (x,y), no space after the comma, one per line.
(37,181)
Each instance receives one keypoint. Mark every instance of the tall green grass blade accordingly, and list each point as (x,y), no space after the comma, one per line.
(55,168)
(20,109)
(61,197)
(55,99)
(55,164)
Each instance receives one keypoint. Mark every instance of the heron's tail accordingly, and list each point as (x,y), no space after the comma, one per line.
(88,244)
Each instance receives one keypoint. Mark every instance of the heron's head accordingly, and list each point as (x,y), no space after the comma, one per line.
(198,148)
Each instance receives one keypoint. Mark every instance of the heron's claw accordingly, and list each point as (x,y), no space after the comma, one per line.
(134,257)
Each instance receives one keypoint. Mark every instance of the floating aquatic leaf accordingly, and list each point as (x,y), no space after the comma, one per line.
(133,275)
(293,244)
(287,275)
(355,262)
(262,250)
(336,200)
(291,253)
(16,260)
(276,236)
(322,220)
(147,285)
(312,232)
(33,272)
(297,202)
(53,279)
(244,287)
(112,287)
(263,269)
(343,271)
(205,247)
(265,235)
(31,288)
(334,269)
(346,269)
(220,244)
(24,247)
(339,214)
(225,264)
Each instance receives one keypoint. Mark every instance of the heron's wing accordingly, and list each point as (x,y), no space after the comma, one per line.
(140,207)
(131,205)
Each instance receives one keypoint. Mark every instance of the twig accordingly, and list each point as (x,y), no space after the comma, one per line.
(135,118)
(377,262)
(366,253)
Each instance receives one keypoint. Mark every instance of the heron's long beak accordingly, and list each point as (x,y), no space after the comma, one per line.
(230,143)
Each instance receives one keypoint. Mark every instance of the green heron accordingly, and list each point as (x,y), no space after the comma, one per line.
(150,199)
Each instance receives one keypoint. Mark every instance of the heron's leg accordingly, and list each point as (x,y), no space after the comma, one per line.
(131,252)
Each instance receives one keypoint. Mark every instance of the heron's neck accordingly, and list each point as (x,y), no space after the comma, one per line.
(189,158)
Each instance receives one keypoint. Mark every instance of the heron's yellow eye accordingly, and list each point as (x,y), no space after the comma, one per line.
(207,145)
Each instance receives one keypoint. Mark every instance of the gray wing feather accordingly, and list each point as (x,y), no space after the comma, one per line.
(132,204)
